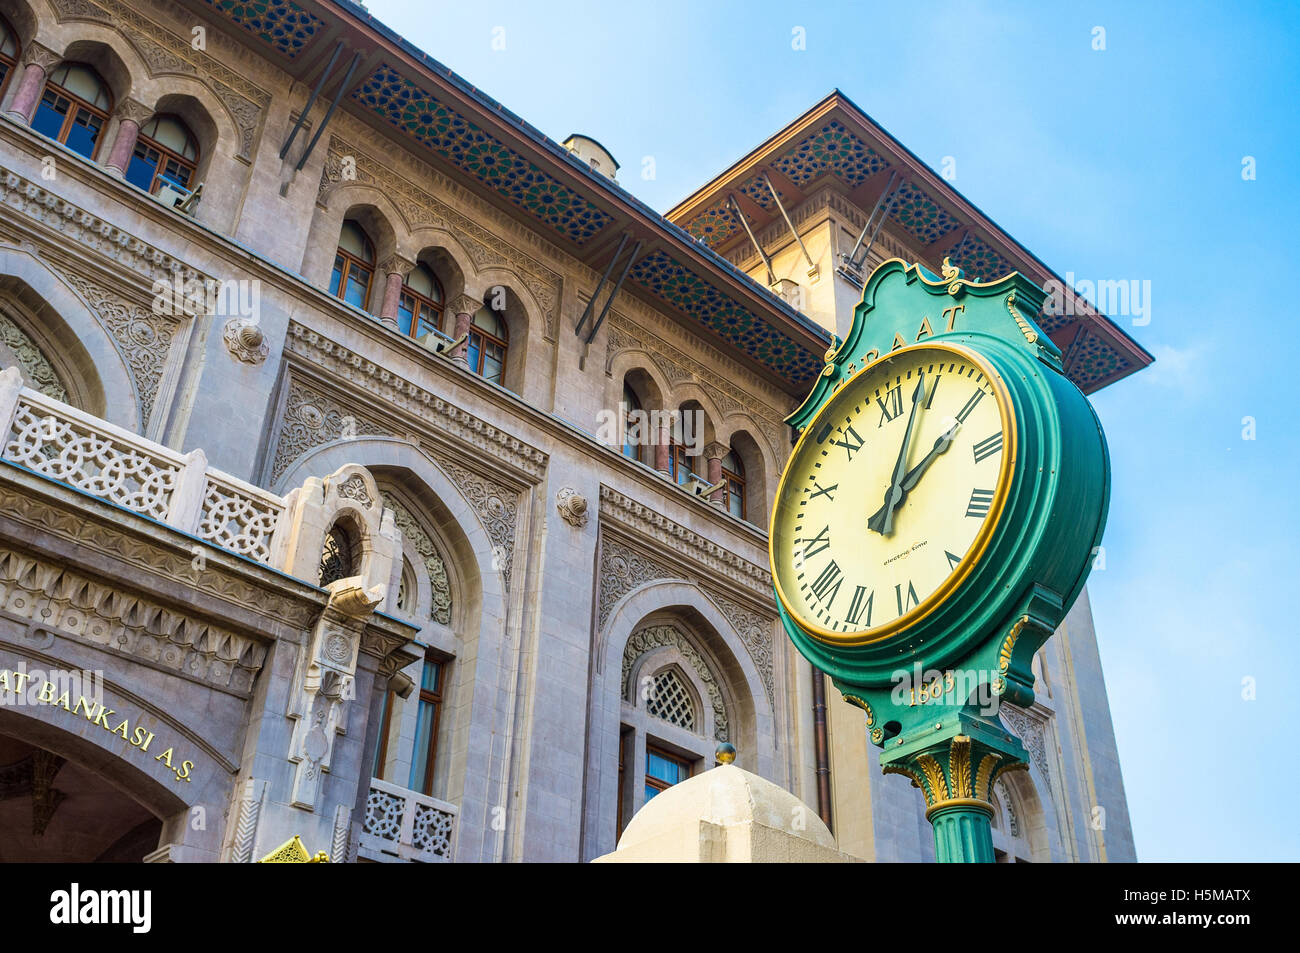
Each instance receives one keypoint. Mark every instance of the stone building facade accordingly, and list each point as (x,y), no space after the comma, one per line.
(379,471)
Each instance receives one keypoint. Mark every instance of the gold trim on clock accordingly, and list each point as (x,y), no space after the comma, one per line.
(968,562)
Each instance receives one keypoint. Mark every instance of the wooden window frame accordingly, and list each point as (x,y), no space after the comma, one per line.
(77,103)
(657,783)
(419,299)
(191,164)
(729,477)
(350,259)
(436,698)
(484,334)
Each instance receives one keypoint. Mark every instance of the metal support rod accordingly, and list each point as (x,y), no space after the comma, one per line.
(613,294)
(591,302)
(821,746)
(784,214)
(889,187)
(338,94)
(740,217)
(311,100)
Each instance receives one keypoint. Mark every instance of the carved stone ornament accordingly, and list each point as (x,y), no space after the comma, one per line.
(245,340)
(572,506)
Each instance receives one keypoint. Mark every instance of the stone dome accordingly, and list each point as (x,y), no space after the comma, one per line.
(726,795)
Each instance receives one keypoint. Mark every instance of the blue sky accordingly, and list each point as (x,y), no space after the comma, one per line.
(1124,163)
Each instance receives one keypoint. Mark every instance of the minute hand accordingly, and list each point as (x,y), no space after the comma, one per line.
(914,476)
(894,495)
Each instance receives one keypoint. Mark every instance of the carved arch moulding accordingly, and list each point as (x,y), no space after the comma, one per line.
(629,531)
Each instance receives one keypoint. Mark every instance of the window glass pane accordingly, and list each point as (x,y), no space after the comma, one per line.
(423,736)
(431,676)
(337,275)
(492,363)
(657,766)
(404,314)
(176,174)
(376,770)
(420,281)
(650,792)
(736,500)
(429,320)
(354,241)
(358,282)
(81,81)
(143,166)
(732,462)
(48,120)
(84,133)
(490,323)
(170,132)
(475,349)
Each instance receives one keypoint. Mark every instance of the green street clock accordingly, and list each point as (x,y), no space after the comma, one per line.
(937,518)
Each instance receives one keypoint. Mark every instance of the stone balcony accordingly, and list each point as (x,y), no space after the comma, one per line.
(402,825)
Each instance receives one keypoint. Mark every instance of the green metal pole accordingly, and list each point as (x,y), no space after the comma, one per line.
(962,834)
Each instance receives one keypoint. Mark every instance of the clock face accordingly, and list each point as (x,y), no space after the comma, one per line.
(891,493)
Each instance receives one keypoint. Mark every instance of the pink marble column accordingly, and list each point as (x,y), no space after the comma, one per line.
(464,308)
(663,447)
(394,269)
(714,453)
(131,116)
(37,62)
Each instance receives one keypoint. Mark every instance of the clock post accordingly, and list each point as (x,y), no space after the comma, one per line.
(921,557)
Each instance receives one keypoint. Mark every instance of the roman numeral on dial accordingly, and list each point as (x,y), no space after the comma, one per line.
(980,501)
(860,604)
(891,405)
(987,447)
(826,491)
(823,538)
(851,442)
(952,560)
(905,603)
(827,584)
(970,405)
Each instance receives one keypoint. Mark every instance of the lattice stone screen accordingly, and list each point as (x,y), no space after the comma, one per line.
(400,822)
(670,700)
(61,442)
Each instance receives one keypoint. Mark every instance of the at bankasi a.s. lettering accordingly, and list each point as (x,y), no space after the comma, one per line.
(97,713)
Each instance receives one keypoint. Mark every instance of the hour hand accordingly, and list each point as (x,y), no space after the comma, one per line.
(877,520)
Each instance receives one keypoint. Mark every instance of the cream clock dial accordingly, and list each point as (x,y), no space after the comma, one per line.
(891,493)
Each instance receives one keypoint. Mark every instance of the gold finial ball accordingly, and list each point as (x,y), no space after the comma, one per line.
(725,753)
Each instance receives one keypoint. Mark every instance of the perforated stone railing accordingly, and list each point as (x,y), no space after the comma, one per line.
(59,441)
(404,825)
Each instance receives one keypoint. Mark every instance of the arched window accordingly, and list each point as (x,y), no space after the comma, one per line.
(354,266)
(166,153)
(74,108)
(633,424)
(338,557)
(488,341)
(419,311)
(8,53)
(733,471)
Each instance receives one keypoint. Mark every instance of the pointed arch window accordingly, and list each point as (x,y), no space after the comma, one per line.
(354,266)
(74,108)
(9,51)
(419,310)
(166,153)
(488,342)
(733,471)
